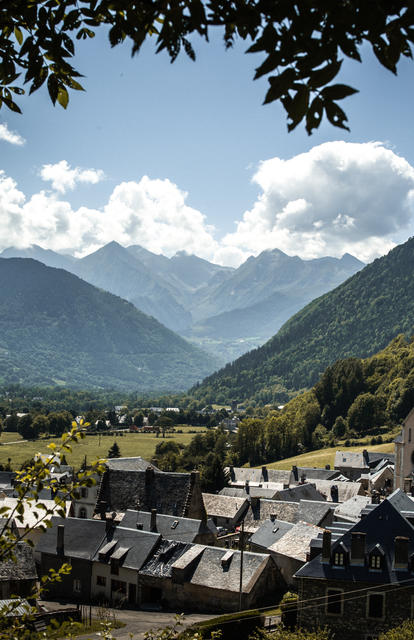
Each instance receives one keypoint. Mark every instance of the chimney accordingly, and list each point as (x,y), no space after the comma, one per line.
(334,493)
(109,521)
(366,457)
(328,467)
(247,486)
(153,525)
(265,474)
(303,478)
(295,473)
(149,474)
(401,553)
(357,549)
(273,517)
(60,544)
(326,547)
(101,509)
(231,469)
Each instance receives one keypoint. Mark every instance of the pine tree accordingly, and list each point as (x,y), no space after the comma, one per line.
(114,451)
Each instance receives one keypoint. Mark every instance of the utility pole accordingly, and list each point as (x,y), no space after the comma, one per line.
(241,545)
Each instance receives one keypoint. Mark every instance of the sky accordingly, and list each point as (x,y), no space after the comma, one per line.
(184,156)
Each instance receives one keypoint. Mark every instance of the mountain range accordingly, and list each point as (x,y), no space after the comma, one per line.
(55,328)
(358,318)
(226,311)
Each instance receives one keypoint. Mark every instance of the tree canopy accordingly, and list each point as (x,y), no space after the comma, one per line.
(303,43)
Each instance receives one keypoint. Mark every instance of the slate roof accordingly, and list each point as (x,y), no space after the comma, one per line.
(375,456)
(145,490)
(210,573)
(23,568)
(400,500)
(270,532)
(223,506)
(313,512)
(160,562)
(241,475)
(306,491)
(352,508)
(381,526)
(170,527)
(263,509)
(132,547)
(296,542)
(253,492)
(129,464)
(346,490)
(313,473)
(82,537)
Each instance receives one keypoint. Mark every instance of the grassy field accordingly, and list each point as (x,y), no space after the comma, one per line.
(321,457)
(130,444)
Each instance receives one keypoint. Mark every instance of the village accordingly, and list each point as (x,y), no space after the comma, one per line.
(147,539)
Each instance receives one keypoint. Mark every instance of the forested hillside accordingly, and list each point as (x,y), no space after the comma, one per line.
(57,329)
(358,318)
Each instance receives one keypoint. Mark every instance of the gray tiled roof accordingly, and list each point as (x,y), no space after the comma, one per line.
(270,532)
(306,491)
(145,490)
(210,573)
(241,475)
(313,473)
(223,506)
(129,464)
(132,547)
(312,511)
(160,562)
(351,459)
(263,509)
(21,569)
(346,490)
(82,537)
(296,542)
(352,508)
(253,492)
(170,527)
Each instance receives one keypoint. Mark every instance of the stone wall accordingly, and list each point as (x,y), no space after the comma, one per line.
(353,622)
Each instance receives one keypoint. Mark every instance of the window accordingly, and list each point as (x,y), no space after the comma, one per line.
(77,585)
(375,561)
(334,601)
(375,605)
(338,559)
(101,581)
(118,586)
(82,512)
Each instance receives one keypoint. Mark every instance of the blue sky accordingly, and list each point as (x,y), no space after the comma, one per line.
(202,127)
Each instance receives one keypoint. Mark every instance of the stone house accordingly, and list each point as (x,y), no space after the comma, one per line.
(352,464)
(203,578)
(116,564)
(353,582)
(74,541)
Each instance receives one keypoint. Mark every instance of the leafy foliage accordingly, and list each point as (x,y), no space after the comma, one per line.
(303,44)
(358,318)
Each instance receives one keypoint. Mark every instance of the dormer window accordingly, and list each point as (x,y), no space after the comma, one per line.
(339,559)
(375,561)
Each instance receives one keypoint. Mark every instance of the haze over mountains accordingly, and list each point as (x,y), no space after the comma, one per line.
(57,329)
(227,311)
(358,318)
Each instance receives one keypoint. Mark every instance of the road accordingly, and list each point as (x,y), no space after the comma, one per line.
(136,622)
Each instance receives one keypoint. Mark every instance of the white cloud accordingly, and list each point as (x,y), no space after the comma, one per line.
(338,197)
(63,177)
(335,198)
(10,136)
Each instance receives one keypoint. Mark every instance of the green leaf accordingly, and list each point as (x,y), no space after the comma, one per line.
(338,91)
(63,97)
(18,35)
